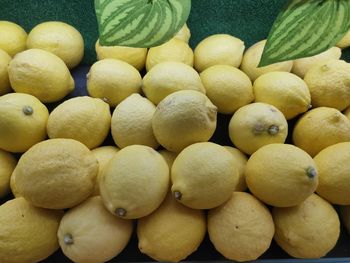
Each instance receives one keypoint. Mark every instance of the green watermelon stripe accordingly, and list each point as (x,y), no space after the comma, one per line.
(315,36)
(120,27)
(164,27)
(140,23)
(292,30)
(110,26)
(152,22)
(334,18)
(146,19)
(148,36)
(121,11)
(309,33)
(290,22)
(295,35)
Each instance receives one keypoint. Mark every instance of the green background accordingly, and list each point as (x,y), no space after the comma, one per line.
(249,20)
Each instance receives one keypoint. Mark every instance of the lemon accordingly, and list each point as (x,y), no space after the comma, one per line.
(220,49)
(334,179)
(256,125)
(169,77)
(242,228)
(345,41)
(281,175)
(329,84)
(184,34)
(309,230)
(89,233)
(227,87)
(172,232)
(173,50)
(240,160)
(103,155)
(5,86)
(113,81)
(135,182)
(85,119)
(345,214)
(132,122)
(251,60)
(59,38)
(301,66)
(23,121)
(133,56)
(13,186)
(284,90)
(204,175)
(41,74)
(7,164)
(319,128)
(56,174)
(168,156)
(28,234)
(12,38)
(183,118)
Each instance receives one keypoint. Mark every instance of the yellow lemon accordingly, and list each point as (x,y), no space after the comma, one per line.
(28,233)
(333,165)
(132,122)
(345,41)
(220,49)
(41,74)
(7,164)
(85,119)
(172,232)
(103,155)
(12,38)
(113,81)
(168,156)
(59,38)
(135,182)
(23,121)
(13,186)
(184,34)
(89,233)
(5,86)
(242,228)
(319,128)
(56,174)
(227,87)
(204,175)
(169,77)
(284,90)
(281,175)
(329,84)
(256,125)
(183,118)
(251,60)
(301,66)
(173,50)
(133,56)
(309,230)
(240,160)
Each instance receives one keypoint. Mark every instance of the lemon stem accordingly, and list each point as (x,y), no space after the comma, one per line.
(68,239)
(311,172)
(27,110)
(120,212)
(273,130)
(177,195)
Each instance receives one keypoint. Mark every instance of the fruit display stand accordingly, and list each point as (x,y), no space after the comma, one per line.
(249,20)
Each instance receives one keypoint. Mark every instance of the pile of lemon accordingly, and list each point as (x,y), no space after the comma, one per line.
(75,192)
